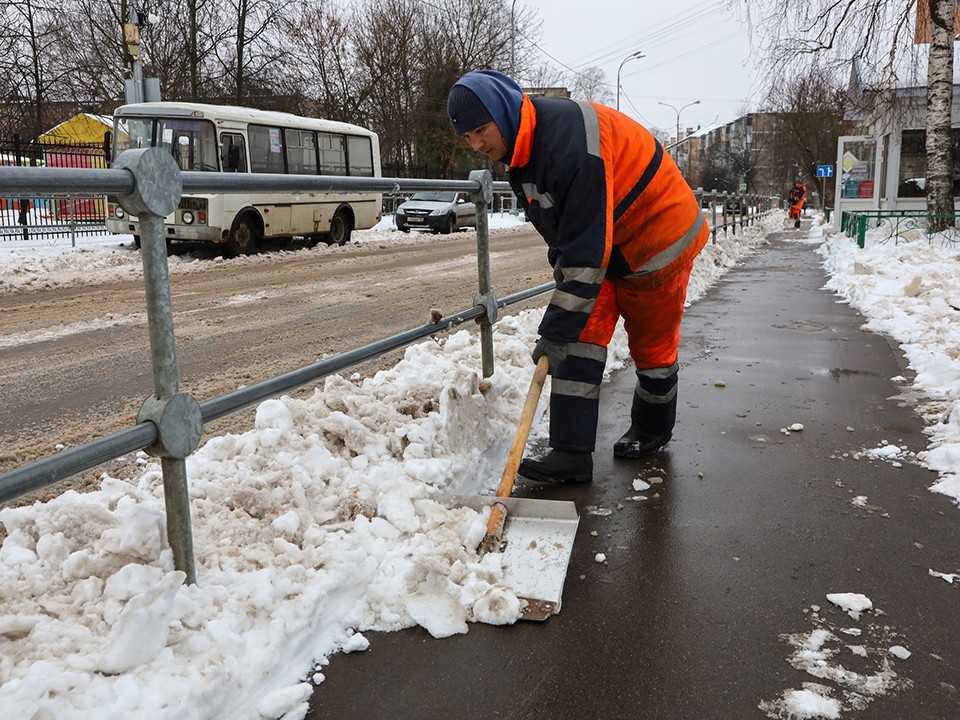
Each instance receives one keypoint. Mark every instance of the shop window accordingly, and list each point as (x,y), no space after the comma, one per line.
(913,164)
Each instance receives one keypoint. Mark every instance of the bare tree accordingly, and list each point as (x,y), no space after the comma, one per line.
(33,67)
(809,117)
(592,85)
(940,158)
(879,34)
(388,45)
(385,64)
(248,53)
(322,63)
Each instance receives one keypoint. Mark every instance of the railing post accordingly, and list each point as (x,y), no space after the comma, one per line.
(483,199)
(72,202)
(177,416)
(713,212)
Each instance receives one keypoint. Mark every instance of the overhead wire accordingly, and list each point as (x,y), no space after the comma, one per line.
(666,32)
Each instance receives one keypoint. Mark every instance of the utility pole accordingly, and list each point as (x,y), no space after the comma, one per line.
(136,89)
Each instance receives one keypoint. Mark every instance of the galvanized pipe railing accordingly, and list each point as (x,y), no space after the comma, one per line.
(48,471)
(149,184)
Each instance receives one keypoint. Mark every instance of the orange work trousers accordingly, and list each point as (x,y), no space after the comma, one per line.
(651,317)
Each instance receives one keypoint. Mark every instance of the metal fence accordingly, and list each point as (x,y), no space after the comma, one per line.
(169,425)
(897,224)
(30,215)
(730,211)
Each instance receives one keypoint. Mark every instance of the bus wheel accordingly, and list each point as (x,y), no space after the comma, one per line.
(340,229)
(136,240)
(244,237)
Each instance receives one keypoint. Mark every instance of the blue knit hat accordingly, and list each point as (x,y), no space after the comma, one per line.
(465,110)
(499,96)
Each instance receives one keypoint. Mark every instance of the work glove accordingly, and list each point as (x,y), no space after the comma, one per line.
(555,350)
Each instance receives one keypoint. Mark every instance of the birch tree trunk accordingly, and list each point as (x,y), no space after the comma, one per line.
(939,107)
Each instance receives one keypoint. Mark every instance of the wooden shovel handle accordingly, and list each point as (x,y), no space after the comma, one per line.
(498,512)
(505,488)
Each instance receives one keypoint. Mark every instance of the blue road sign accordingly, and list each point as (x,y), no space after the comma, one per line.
(824,170)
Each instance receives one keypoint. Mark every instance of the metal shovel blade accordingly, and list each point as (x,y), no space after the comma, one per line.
(537,545)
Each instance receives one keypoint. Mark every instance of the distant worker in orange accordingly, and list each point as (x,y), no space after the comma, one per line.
(798,193)
(622,229)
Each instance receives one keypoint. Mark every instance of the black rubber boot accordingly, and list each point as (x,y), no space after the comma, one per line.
(638,444)
(652,416)
(797,224)
(559,466)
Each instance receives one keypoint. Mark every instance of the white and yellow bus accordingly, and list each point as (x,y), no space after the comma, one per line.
(214,138)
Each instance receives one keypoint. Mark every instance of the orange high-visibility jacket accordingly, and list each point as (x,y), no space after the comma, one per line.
(607,199)
(798,195)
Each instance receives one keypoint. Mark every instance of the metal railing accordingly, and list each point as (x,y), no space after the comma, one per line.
(734,210)
(148,183)
(897,223)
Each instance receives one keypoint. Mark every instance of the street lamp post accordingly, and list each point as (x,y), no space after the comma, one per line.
(676,146)
(513,41)
(634,56)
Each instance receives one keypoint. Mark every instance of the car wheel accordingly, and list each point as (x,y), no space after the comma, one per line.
(136,240)
(451,225)
(340,229)
(244,238)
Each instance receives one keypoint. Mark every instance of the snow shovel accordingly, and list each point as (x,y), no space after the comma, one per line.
(535,536)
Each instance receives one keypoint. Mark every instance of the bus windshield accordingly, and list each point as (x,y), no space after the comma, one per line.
(192,143)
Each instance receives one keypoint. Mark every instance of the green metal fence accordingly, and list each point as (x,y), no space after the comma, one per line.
(900,224)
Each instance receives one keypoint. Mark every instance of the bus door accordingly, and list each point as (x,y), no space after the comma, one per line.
(233,158)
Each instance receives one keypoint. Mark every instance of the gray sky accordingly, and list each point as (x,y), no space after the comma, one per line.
(694,50)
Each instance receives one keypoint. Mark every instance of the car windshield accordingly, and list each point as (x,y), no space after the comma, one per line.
(435,197)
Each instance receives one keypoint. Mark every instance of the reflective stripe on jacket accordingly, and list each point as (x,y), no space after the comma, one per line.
(607,199)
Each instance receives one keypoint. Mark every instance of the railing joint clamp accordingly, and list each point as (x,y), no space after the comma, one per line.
(179,423)
(488,301)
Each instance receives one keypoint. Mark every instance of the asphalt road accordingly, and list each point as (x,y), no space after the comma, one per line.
(77,362)
(721,572)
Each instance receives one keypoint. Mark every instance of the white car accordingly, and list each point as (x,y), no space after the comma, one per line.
(443,212)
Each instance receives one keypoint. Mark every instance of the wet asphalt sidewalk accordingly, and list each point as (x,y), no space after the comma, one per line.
(712,572)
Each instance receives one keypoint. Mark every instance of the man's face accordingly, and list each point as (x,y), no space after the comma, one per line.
(487,139)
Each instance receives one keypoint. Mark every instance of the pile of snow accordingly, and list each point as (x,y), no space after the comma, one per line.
(910,290)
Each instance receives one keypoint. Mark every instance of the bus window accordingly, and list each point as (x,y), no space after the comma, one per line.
(360,152)
(333,155)
(233,157)
(266,149)
(191,142)
(139,135)
(301,152)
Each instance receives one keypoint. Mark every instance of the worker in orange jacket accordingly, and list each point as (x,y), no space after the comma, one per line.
(798,194)
(622,229)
